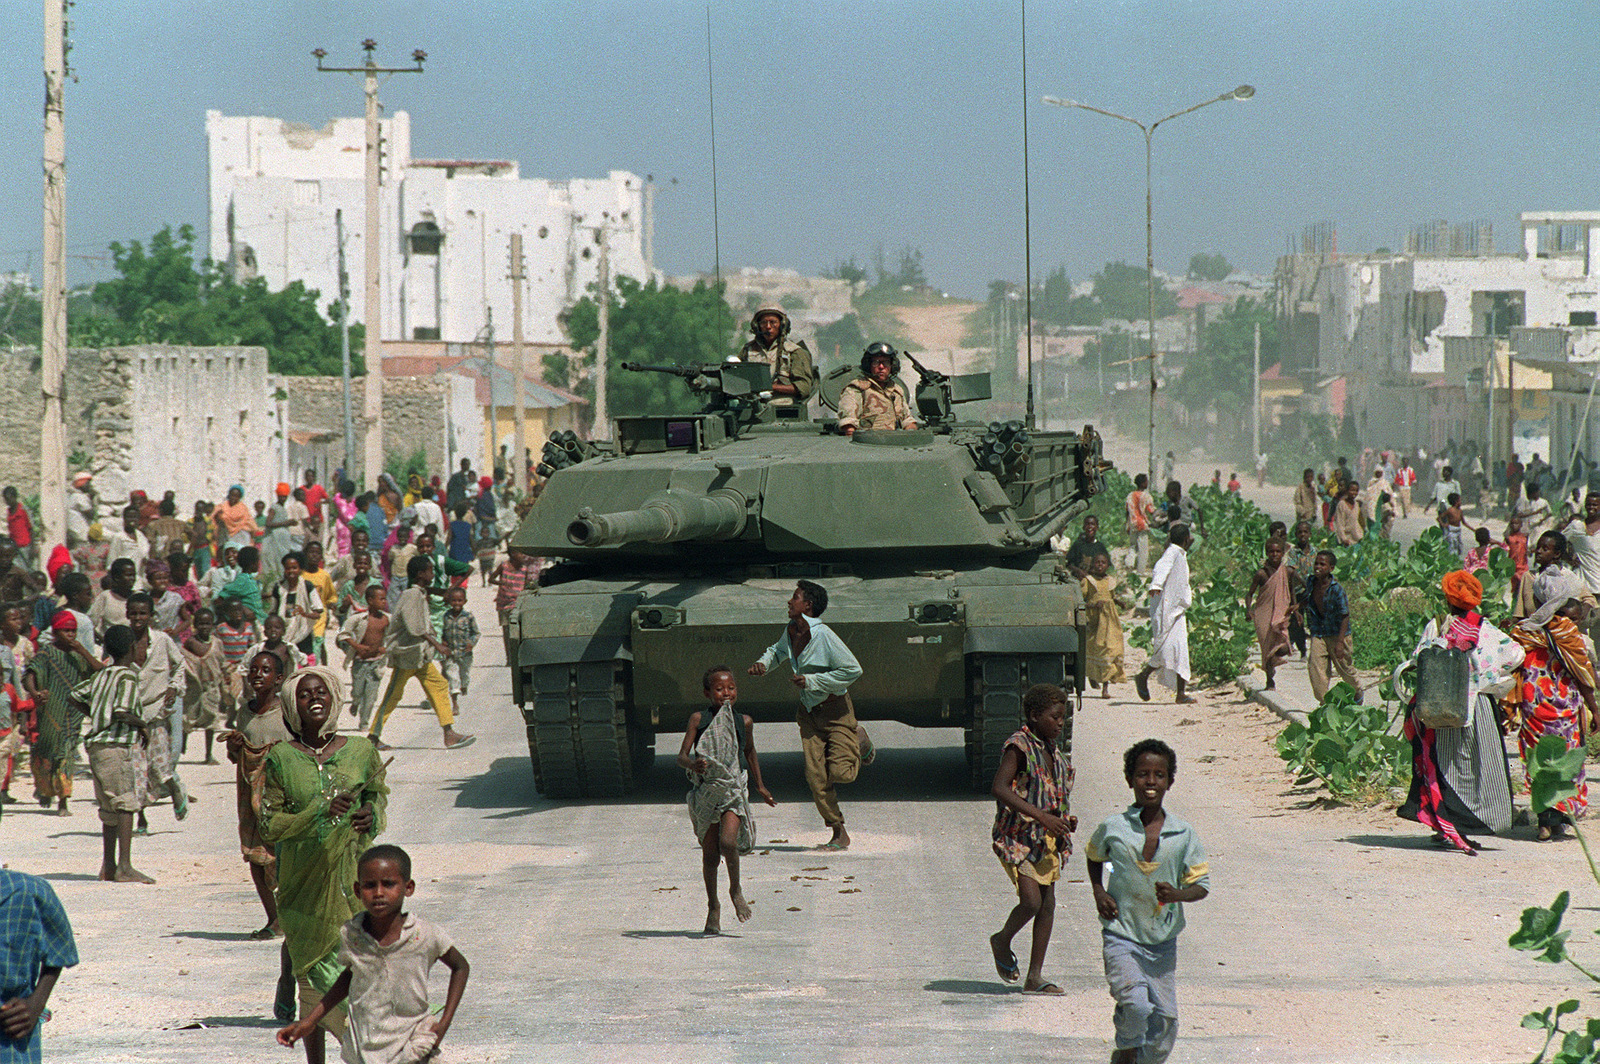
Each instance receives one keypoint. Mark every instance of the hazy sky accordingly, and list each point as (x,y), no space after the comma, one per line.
(842,126)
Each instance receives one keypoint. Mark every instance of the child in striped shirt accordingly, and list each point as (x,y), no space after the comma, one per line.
(110,701)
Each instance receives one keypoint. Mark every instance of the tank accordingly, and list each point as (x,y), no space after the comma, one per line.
(675,547)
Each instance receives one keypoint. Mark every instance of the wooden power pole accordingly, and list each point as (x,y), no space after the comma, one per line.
(53,341)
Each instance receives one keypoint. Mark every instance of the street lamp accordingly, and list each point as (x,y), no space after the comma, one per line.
(1243,92)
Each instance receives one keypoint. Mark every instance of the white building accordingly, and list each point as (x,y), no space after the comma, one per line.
(445,226)
(1405,343)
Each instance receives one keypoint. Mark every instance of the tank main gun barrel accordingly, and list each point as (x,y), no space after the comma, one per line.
(667,517)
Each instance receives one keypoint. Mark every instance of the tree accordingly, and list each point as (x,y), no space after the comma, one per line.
(846,270)
(839,341)
(1203,267)
(1054,303)
(1219,373)
(910,274)
(161,296)
(652,324)
(1120,289)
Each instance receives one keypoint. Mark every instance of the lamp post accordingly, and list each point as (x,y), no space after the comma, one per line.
(1243,92)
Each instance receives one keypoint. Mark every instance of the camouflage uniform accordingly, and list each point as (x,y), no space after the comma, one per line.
(865,404)
(790,359)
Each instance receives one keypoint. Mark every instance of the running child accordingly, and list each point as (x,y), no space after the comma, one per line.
(212,690)
(719,753)
(386,954)
(510,579)
(260,729)
(361,639)
(458,630)
(1033,829)
(1157,864)
(110,701)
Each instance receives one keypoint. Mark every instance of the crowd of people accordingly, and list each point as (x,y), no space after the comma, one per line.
(248,624)
(1531,675)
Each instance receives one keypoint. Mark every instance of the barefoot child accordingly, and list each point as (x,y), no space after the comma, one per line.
(260,729)
(361,638)
(59,666)
(717,740)
(1032,830)
(1267,603)
(386,954)
(212,688)
(458,630)
(1105,625)
(110,700)
(1157,864)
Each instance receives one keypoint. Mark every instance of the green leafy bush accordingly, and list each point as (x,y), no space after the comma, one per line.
(1552,769)
(1351,748)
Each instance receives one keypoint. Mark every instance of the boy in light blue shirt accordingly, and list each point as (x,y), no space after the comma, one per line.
(1141,910)
(835,746)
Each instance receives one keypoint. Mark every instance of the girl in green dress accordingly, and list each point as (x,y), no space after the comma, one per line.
(323,800)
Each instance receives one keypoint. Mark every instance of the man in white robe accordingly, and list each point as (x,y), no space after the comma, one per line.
(1170,598)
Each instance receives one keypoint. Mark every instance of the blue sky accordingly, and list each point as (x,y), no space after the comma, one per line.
(843,126)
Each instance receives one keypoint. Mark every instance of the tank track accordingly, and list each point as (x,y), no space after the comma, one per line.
(998,682)
(578,736)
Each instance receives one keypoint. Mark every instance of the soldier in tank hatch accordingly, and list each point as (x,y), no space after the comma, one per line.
(876,400)
(794,377)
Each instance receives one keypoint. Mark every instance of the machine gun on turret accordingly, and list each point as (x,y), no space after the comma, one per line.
(938,392)
(738,388)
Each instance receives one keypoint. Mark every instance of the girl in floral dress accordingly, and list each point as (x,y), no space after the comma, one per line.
(1032,830)
(1557,684)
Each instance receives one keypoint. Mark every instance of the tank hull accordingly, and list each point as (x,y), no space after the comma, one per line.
(940,648)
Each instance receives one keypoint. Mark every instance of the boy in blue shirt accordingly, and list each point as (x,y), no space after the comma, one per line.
(1141,910)
(835,746)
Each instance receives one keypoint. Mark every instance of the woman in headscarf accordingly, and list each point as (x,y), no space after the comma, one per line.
(235,521)
(323,799)
(1557,683)
(388,494)
(413,489)
(1460,784)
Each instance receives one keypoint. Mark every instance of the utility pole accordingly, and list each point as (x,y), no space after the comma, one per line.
(519,355)
(53,341)
(372,316)
(344,349)
(1255,400)
(603,343)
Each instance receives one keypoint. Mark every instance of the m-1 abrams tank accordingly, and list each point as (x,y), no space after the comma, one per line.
(674,548)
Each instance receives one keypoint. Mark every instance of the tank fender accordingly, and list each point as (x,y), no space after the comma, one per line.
(1030,639)
(602,646)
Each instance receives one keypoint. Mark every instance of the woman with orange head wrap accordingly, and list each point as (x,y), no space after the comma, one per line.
(1459,781)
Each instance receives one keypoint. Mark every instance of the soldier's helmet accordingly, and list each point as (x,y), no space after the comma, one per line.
(783,319)
(876,350)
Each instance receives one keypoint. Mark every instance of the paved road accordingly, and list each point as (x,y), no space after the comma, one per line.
(1330,935)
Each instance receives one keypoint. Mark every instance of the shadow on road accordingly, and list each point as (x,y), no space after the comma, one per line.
(213,936)
(226,1021)
(1394,842)
(967,986)
(507,785)
(914,774)
(674,934)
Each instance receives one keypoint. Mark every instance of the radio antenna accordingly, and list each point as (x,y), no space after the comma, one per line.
(1027,232)
(711,97)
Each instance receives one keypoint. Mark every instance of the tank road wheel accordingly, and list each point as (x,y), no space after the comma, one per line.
(997,684)
(578,733)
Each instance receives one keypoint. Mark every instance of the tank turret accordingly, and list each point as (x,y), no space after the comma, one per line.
(674,546)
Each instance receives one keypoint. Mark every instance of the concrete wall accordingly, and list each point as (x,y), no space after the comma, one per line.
(439,414)
(190,419)
(275,186)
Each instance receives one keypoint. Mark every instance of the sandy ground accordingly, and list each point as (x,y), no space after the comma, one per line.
(936,328)
(1332,934)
